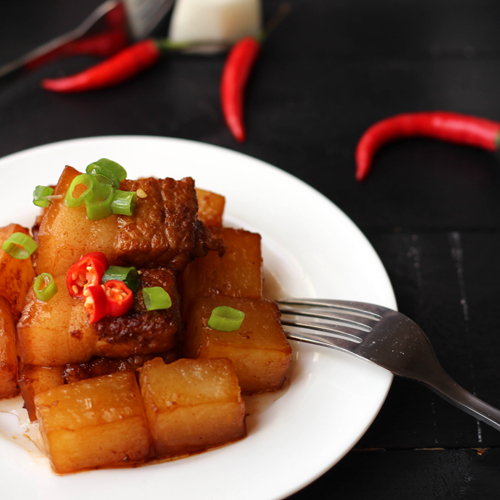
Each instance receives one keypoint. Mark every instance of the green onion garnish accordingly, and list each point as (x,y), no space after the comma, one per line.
(109,169)
(102,179)
(40,195)
(226,319)
(82,179)
(19,245)
(156,298)
(124,202)
(128,275)
(98,200)
(44,287)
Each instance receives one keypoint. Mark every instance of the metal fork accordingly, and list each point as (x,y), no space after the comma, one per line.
(382,336)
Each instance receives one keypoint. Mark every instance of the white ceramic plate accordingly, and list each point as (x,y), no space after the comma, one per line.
(310,249)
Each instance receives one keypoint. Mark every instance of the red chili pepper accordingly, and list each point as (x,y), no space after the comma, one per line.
(119,68)
(235,76)
(95,303)
(443,125)
(87,272)
(100,45)
(119,297)
(117,17)
(236,72)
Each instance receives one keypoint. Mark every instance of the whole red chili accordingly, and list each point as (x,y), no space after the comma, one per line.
(119,297)
(235,75)
(119,68)
(443,125)
(86,272)
(100,45)
(116,18)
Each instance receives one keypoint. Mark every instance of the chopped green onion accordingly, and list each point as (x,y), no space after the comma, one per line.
(156,298)
(226,319)
(41,194)
(98,200)
(44,287)
(111,165)
(128,275)
(86,181)
(19,245)
(105,177)
(109,169)
(124,202)
(102,179)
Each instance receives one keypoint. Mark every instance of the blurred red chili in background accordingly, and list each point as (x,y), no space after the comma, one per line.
(116,18)
(101,45)
(145,54)
(236,72)
(443,125)
(119,68)
(235,75)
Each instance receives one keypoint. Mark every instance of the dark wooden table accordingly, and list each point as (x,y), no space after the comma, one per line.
(430,209)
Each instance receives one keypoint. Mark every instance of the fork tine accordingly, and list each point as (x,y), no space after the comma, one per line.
(338,306)
(346,333)
(341,319)
(309,337)
(332,312)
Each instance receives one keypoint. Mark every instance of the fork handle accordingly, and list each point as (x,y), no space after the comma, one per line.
(449,390)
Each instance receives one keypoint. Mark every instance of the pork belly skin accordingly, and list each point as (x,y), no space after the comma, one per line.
(164,230)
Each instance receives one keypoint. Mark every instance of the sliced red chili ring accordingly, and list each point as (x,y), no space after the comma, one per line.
(119,297)
(86,272)
(95,302)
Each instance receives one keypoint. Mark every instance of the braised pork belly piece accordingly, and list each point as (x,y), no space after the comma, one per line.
(141,331)
(164,230)
(58,332)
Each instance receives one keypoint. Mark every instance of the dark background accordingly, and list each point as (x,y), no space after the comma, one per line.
(430,209)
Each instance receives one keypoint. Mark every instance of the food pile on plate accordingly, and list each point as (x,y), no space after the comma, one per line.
(132,321)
